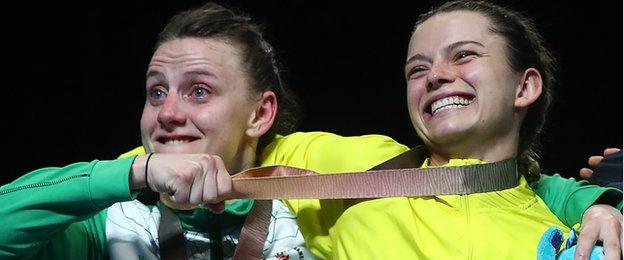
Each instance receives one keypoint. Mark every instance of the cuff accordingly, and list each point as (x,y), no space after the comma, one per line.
(109,182)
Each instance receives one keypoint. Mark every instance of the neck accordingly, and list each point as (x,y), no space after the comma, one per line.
(245,158)
(494,150)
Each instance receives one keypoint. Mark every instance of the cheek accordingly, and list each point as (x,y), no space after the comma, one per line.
(415,91)
(215,118)
(469,75)
(148,120)
(205,119)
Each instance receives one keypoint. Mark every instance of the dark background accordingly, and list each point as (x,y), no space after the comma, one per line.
(74,73)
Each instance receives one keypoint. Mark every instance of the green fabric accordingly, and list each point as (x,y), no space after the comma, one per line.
(81,240)
(569,199)
(563,196)
(203,220)
(239,207)
(59,213)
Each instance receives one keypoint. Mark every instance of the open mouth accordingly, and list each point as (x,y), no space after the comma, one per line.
(176,140)
(450,102)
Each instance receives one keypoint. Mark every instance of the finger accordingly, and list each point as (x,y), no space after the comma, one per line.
(611,241)
(594,160)
(183,182)
(610,151)
(180,193)
(224,180)
(612,251)
(197,186)
(586,173)
(210,180)
(586,241)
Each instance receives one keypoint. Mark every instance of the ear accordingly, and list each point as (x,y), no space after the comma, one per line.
(261,119)
(529,89)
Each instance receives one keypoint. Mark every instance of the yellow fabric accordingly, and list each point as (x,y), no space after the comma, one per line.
(323,153)
(454,162)
(136,151)
(494,225)
(326,153)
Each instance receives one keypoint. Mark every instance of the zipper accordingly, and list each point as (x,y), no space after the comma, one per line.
(41,184)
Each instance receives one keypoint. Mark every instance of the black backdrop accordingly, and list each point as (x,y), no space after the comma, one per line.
(73,74)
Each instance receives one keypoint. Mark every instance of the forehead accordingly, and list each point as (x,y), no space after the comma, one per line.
(216,52)
(449,27)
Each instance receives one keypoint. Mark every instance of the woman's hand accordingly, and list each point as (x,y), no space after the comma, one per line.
(187,178)
(601,223)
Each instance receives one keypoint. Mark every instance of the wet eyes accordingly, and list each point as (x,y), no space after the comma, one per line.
(194,93)
(199,91)
(157,94)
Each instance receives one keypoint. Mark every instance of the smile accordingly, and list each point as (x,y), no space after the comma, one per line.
(449,103)
(176,140)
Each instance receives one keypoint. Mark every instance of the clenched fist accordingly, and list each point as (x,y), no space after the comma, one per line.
(188,178)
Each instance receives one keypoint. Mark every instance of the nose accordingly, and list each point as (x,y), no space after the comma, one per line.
(439,74)
(170,114)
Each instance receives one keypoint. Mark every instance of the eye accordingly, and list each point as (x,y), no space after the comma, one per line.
(157,94)
(416,72)
(199,91)
(463,55)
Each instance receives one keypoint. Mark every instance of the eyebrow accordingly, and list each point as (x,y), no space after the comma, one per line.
(417,56)
(460,43)
(155,74)
(420,56)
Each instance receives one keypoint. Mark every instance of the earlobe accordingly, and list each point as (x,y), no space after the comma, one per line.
(261,118)
(529,89)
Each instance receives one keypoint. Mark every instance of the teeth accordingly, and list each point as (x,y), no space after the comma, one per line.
(448,103)
(174,142)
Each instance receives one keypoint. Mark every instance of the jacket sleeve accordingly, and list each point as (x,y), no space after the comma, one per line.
(61,210)
(568,198)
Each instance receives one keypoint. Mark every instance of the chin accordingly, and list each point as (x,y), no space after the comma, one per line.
(448,125)
(448,134)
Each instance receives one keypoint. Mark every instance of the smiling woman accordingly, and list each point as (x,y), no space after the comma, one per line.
(479,84)
(214,98)
(462,102)
(101,49)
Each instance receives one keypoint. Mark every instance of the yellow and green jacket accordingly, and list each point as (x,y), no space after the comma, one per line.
(60,213)
(493,225)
